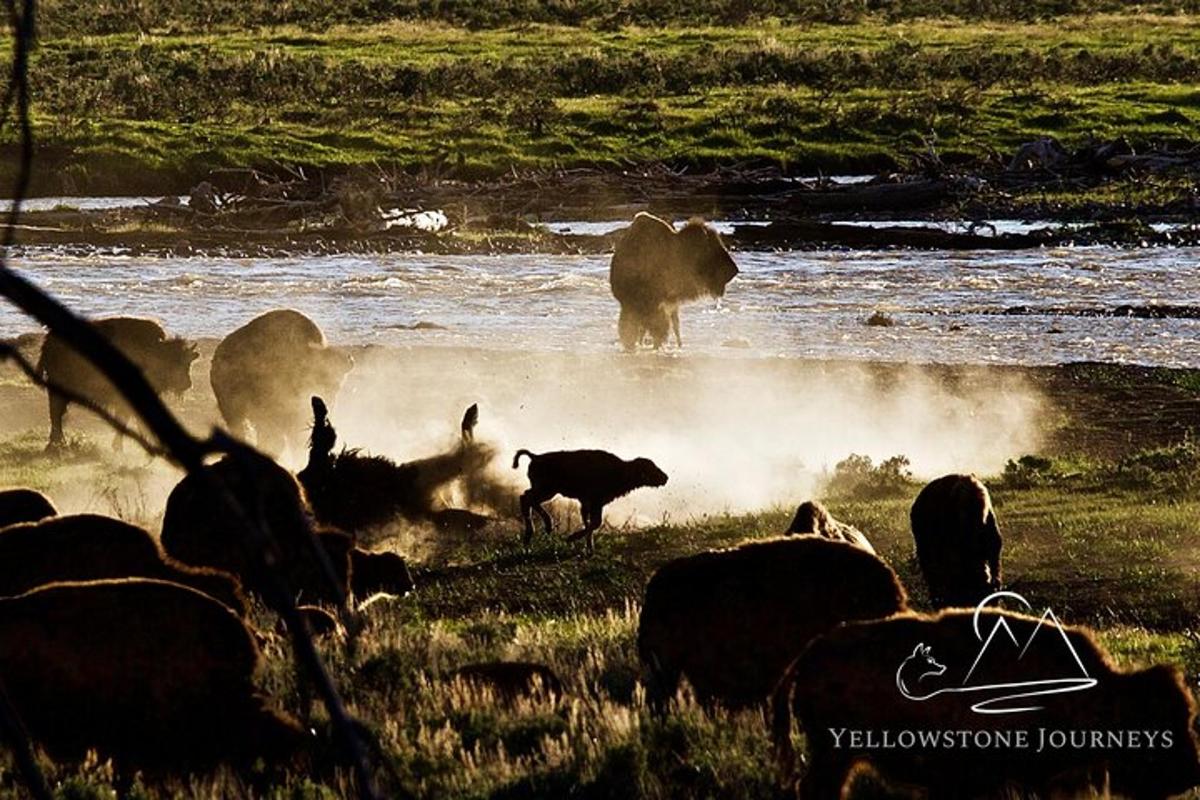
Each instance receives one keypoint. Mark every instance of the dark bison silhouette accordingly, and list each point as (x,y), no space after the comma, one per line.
(731,621)
(154,675)
(812,517)
(24,505)
(263,373)
(197,529)
(510,681)
(655,269)
(863,676)
(87,547)
(357,492)
(379,573)
(166,362)
(593,477)
(958,541)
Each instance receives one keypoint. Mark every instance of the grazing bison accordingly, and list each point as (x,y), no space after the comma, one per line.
(87,547)
(357,492)
(593,477)
(198,530)
(262,372)
(732,620)
(936,675)
(166,363)
(24,505)
(151,674)
(655,269)
(812,517)
(319,621)
(958,541)
(510,681)
(379,573)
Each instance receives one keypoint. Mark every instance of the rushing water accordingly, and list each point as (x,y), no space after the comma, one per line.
(946,307)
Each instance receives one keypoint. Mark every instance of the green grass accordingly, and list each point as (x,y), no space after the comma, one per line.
(169,104)
(1120,557)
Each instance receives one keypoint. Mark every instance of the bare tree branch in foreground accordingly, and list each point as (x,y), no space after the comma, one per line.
(175,441)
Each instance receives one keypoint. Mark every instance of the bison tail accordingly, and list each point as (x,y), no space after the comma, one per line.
(781,729)
(517,457)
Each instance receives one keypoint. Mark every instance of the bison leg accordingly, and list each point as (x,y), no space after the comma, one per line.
(531,503)
(658,325)
(592,514)
(629,329)
(58,410)
(675,326)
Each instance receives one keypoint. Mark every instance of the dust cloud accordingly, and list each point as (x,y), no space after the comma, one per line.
(735,435)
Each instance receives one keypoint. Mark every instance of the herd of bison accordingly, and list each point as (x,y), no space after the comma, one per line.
(142,647)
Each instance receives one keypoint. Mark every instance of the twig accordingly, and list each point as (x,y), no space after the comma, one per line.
(178,443)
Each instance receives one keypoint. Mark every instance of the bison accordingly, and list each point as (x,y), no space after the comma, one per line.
(510,681)
(593,477)
(812,517)
(165,362)
(197,529)
(379,573)
(945,676)
(357,492)
(151,674)
(87,547)
(262,372)
(958,541)
(655,269)
(732,620)
(24,505)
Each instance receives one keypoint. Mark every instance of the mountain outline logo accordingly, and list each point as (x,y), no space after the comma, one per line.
(1007,697)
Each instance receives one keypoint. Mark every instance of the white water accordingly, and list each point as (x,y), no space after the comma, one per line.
(799,304)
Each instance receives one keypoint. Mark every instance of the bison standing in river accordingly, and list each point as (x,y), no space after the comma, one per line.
(151,674)
(263,372)
(957,682)
(958,541)
(165,362)
(655,269)
(731,621)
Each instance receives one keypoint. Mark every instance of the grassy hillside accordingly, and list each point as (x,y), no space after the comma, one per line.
(165,101)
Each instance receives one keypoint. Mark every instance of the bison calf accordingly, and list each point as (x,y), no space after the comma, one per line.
(511,680)
(656,268)
(956,690)
(379,573)
(154,675)
(732,620)
(165,362)
(593,477)
(958,541)
(89,547)
(812,517)
(24,505)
